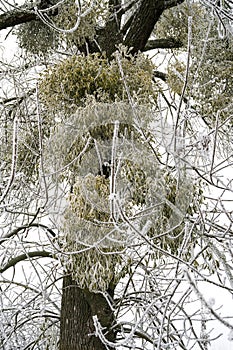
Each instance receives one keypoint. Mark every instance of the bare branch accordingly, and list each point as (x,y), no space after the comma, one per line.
(23,228)
(36,254)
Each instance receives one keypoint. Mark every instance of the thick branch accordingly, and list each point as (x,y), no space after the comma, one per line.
(36,254)
(22,14)
(16,16)
(143,22)
(160,75)
(168,43)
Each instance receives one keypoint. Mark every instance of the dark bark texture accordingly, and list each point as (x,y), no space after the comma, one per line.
(167,43)
(77,310)
(16,16)
(142,24)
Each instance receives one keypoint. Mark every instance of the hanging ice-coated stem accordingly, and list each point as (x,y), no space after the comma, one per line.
(112,196)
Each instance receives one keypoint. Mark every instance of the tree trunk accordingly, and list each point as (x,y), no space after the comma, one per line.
(142,24)
(77,309)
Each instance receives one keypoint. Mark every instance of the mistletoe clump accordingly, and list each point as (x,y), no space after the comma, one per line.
(69,83)
(88,15)
(89,232)
(94,122)
(209,79)
(36,38)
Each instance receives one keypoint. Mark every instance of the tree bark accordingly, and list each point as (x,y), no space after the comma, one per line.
(22,14)
(142,24)
(167,43)
(78,307)
(143,21)
(16,16)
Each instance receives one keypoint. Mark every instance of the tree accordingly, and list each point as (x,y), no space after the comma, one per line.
(98,153)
